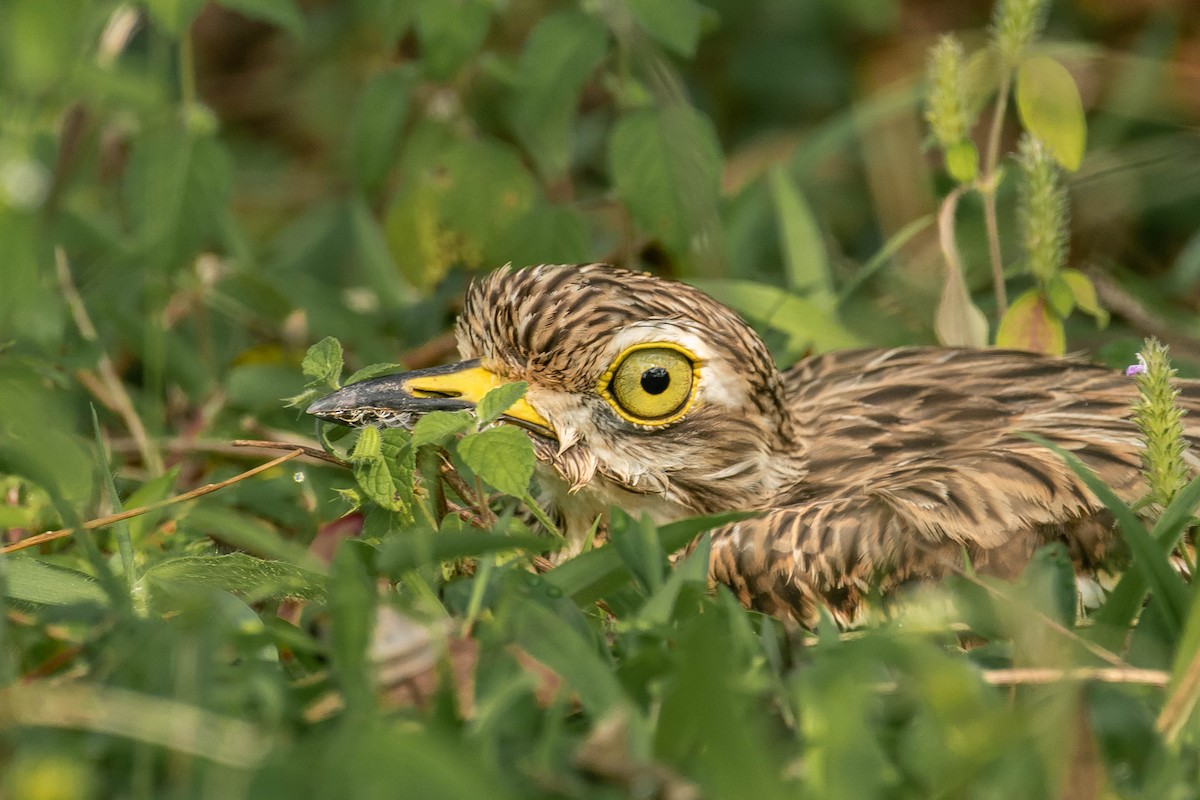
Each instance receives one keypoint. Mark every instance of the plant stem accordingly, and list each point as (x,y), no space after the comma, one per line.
(987,185)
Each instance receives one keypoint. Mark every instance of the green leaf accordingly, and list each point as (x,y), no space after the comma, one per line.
(637,542)
(322,363)
(1031,324)
(401,554)
(502,456)
(281,13)
(385,475)
(1084,293)
(451,33)
(376,125)
(805,258)
(807,326)
(499,400)
(674,23)
(174,16)
(597,573)
(666,165)
(439,427)
(1051,109)
(1060,296)
(352,607)
(559,56)
(35,582)
(243,574)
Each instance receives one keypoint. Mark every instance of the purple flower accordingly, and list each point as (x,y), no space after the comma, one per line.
(1138,368)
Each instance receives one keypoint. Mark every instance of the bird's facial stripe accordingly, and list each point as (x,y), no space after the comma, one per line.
(471,383)
(651,383)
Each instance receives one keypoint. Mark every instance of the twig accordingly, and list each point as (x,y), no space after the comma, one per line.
(101,522)
(433,352)
(116,394)
(308,452)
(1040,676)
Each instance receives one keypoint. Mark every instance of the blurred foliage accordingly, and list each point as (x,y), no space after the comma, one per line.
(191,193)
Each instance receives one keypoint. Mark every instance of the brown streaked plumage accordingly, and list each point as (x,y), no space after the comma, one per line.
(872,467)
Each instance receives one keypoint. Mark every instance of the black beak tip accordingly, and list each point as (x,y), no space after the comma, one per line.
(322,406)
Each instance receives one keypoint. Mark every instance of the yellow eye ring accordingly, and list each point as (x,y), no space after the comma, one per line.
(652,383)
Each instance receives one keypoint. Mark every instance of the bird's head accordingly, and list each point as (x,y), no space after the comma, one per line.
(637,386)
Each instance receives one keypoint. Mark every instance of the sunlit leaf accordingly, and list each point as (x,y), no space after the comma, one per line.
(499,400)
(962,161)
(323,363)
(438,427)
(1051,109)
(384,468)
(1084,293)
(959,321)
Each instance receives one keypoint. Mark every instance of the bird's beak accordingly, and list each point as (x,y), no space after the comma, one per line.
(396,400)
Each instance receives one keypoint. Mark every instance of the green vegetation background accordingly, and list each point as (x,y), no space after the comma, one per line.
(192,194)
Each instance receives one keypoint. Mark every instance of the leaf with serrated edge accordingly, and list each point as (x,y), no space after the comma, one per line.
(438,427)
(499,400)
(502,456)
(323,362)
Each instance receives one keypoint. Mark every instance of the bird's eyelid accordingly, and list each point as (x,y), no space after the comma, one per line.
(604,385)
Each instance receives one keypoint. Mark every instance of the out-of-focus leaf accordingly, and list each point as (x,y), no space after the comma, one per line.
(962,161)
(1051,110)
(174,16)
(1030,324)
(666,164)
(1060,296)
(637,542)
(352,605)
(282,13)
(35,438)
(560,54)
(231,527)
(674,23)
(256,578)
(959,322)
(38,583)
(450,32)
(323,363)
(805,259)
(1084,293)
(371,245)
(375,128)
(807,325)
(401,554)
(499,400)
(502,456)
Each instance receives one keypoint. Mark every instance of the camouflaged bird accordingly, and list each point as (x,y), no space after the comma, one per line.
(872,468)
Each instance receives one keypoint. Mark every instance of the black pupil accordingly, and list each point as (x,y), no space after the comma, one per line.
(656,380)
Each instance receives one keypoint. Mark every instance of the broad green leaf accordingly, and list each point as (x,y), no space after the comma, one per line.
(281,13)
(35,582)
(962,161)
(376,125)
(322,363)
(499,400)
(368,445)
(559,56)
(438,427)
(803,245)
(677,24)
(386,476)
(255,578)
(502,456)
(450,32)
(373,371)
(637,542)
(959,322)
(807,326)
(1084,293)
(541,632)
(597,573)
(1030,324)
(245,532)
(1051,110)
(666,164)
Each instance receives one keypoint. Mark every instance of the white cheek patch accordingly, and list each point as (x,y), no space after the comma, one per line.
(720,383)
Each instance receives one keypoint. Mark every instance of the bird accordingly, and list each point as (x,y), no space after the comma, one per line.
(868,470)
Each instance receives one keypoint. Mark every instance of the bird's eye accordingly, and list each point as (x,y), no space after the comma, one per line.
(651,384)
